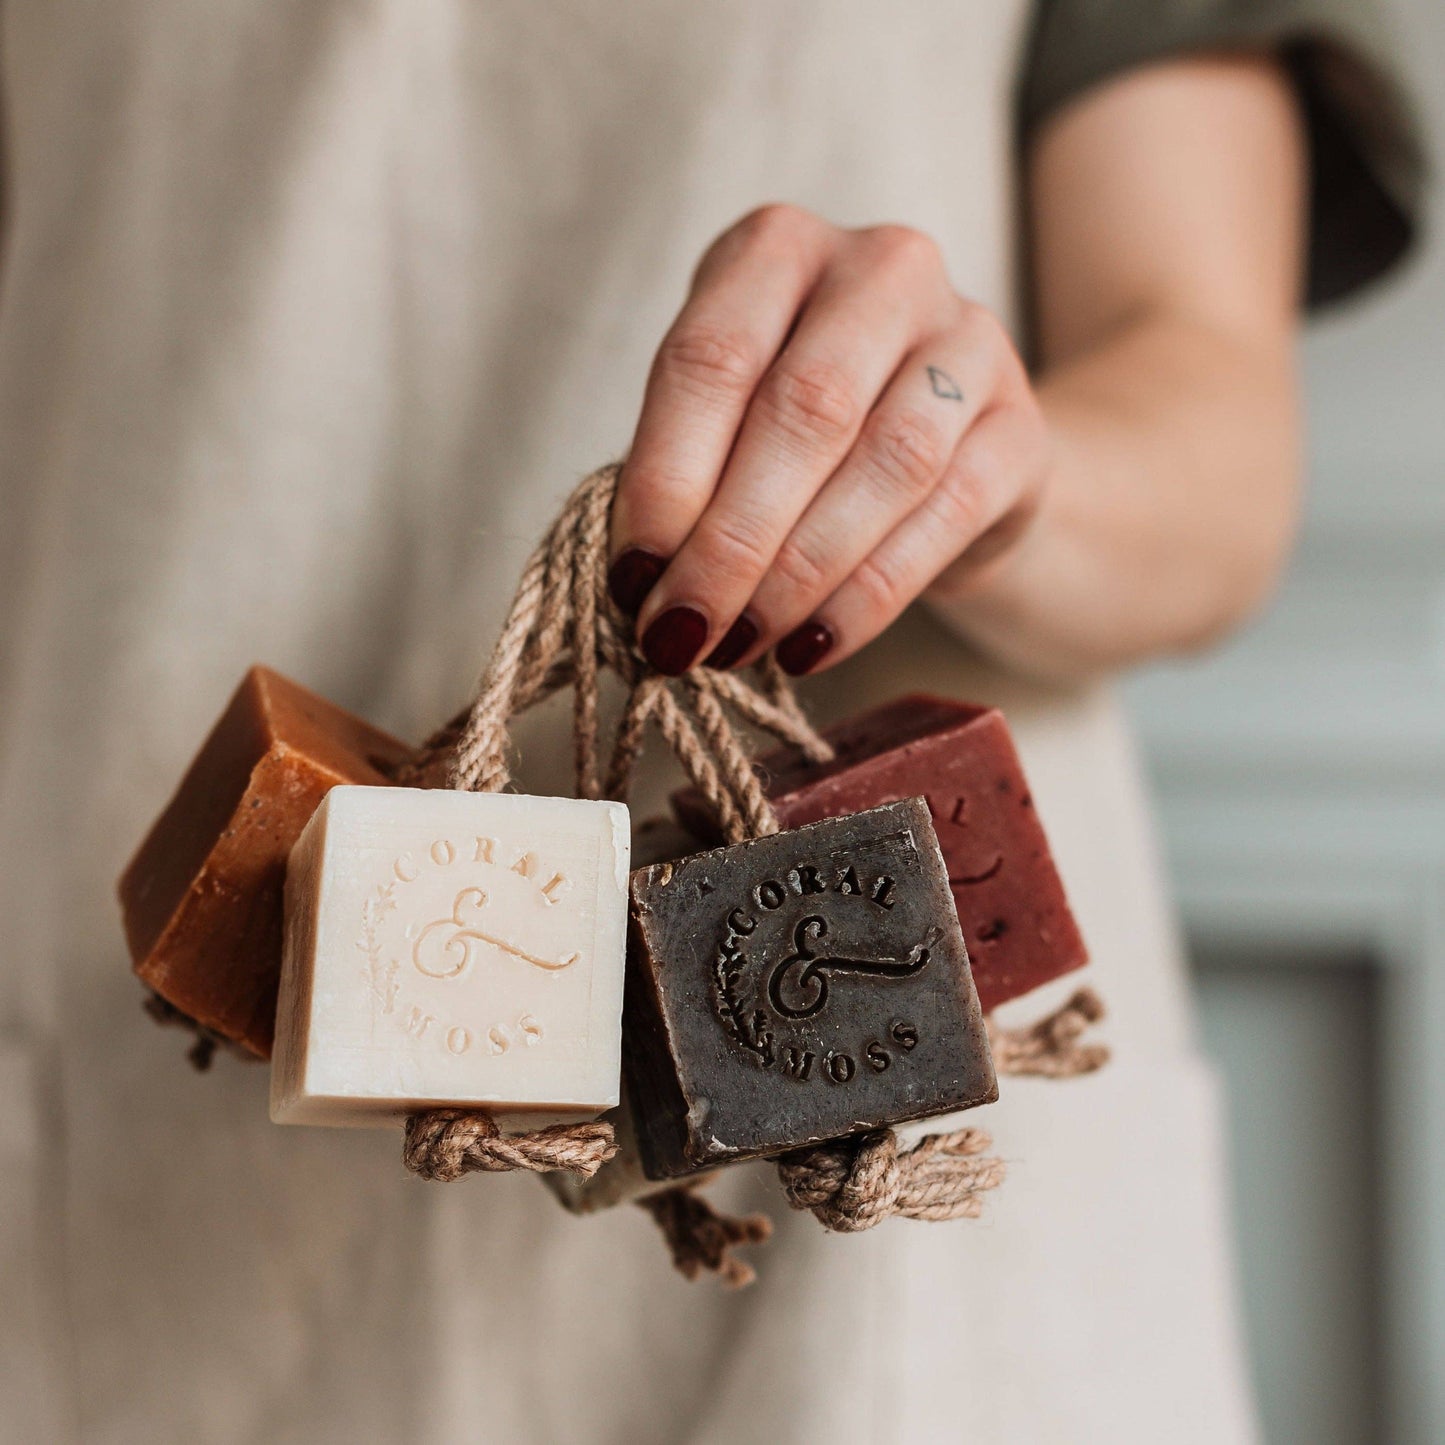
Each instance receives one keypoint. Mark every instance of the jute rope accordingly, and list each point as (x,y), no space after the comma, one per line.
(853,1184)
(703,1239)
(1052,1047)
(205,1043)
(445,1144)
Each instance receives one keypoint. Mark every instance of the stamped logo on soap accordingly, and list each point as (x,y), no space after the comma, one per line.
(457,938)
(810,972)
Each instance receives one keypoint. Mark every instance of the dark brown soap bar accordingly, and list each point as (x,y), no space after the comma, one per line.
(1011,904)
(797,988)
(661,840)
(201,899)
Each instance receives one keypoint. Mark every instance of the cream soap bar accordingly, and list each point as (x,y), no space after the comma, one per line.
(452,949)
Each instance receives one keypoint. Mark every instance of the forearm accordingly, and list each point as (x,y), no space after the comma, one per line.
(1169,507)
(1167,224)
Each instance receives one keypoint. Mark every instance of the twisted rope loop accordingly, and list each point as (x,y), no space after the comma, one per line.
(563,629)
(445,1144)
(1051,1048)
(854,1183)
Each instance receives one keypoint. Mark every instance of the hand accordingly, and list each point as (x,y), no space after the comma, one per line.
(827,428)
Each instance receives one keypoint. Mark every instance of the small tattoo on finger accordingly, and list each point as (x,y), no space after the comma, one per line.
(944,385)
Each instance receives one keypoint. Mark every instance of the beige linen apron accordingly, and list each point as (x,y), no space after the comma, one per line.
(311,316)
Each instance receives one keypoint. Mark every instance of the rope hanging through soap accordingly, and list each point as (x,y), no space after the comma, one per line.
(564,629)
(702,1238)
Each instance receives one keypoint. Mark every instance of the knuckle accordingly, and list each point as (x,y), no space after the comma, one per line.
(813,403)
(982,328)
(734,542)
(777,233)
(775,221)
(801,570)
(961,504)
(909,452)
(905,248)
(881,587)
(650,488)
(709,357)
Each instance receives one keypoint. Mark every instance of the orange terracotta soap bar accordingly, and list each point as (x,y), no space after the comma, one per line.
(202,898)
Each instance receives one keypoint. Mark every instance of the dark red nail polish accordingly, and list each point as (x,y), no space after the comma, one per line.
(632,576)
(736,641)
(672,642)
(804,648)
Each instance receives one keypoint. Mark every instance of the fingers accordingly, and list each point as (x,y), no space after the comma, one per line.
(826,428)
(990,485)
(745,297)
(803,419)
(900,456)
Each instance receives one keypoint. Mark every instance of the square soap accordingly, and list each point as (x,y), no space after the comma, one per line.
(961,759)
(452,949)
(201,898)
(796,988)
(621,1180)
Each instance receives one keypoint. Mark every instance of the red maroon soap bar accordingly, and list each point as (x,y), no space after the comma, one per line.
(960,757)
(201,899)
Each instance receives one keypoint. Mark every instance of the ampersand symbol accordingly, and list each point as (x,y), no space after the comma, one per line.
(799,992)
(444,948)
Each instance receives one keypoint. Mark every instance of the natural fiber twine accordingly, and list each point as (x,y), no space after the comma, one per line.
(1052,1048)
(852,1184)
(445,1144)
(702,1238)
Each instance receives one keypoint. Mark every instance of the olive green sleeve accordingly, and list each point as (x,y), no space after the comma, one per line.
(1367,162)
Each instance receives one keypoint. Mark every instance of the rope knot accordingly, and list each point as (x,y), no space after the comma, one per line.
(852,1184)
(445,1144)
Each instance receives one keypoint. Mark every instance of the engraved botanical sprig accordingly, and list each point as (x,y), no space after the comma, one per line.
(380,974)
(750,1033)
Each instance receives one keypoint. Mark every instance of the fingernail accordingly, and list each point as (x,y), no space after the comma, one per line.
(804,648)
(632,576)
(736,641)
(671,643)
